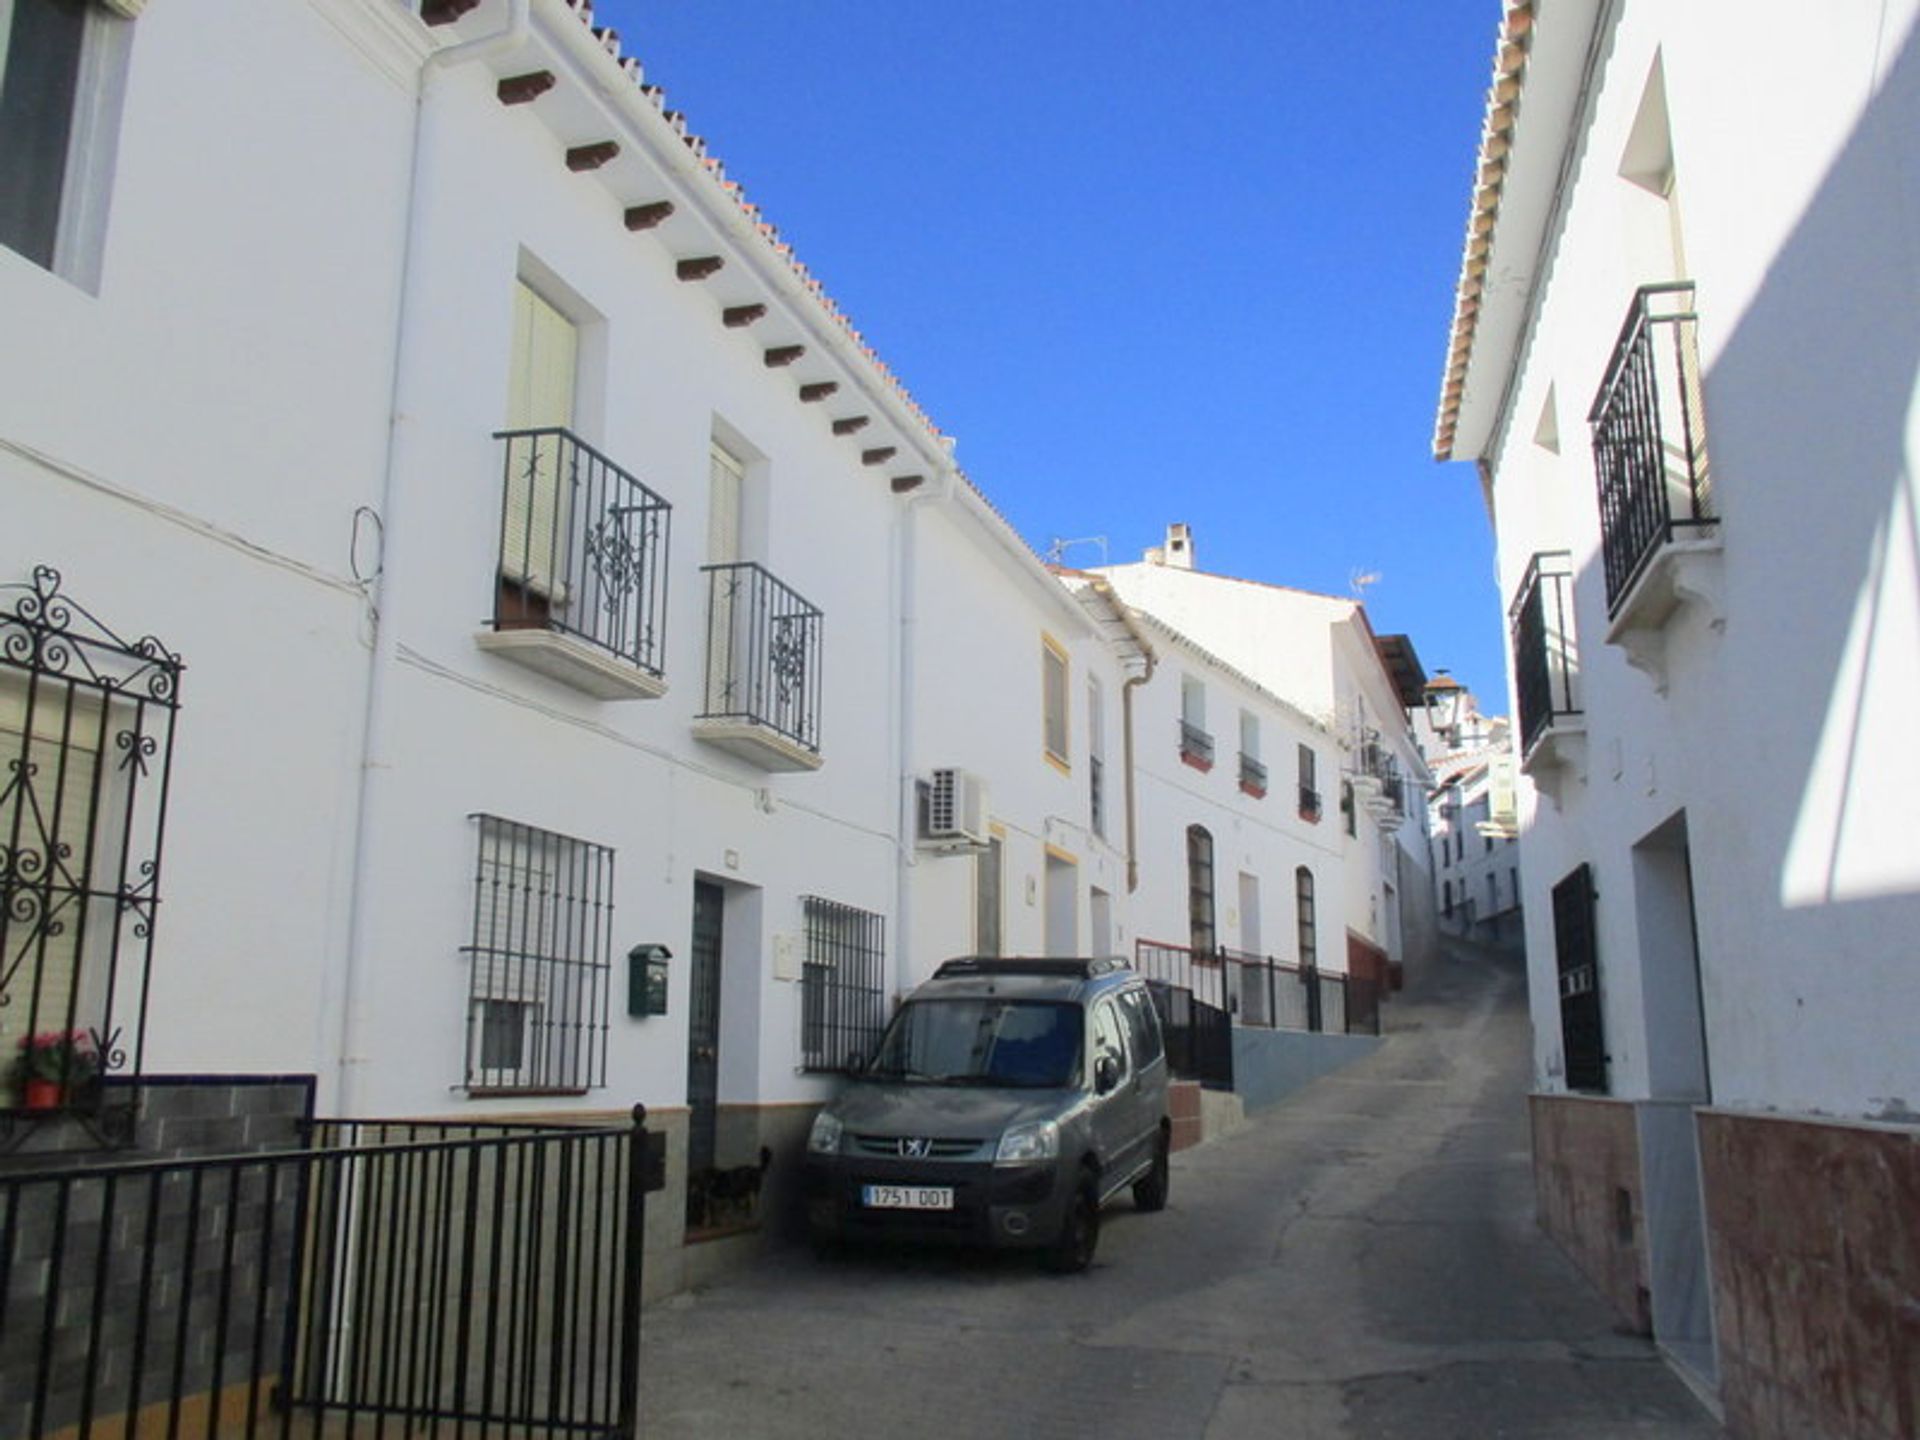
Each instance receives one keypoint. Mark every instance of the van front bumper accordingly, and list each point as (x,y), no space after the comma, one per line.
(1000,1206)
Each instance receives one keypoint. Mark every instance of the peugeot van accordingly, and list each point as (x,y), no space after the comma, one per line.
(1008,1101)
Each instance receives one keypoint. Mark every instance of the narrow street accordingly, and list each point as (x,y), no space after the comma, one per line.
(1360,1262)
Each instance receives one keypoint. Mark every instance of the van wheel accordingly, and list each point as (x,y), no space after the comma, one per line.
(1150,1190)
(1079,1235)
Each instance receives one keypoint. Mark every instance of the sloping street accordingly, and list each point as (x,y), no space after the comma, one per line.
(1359,1262)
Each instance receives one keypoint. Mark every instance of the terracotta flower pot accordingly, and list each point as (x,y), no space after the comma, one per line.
(42,1095)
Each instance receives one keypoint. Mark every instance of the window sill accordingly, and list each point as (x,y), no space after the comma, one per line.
(1258,792)
(561,657)
(1203,766)
(758,744)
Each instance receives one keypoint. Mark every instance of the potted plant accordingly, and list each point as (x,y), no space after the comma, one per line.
(54,1066)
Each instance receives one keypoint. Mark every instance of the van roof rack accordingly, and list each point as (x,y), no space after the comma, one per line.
(1080,967)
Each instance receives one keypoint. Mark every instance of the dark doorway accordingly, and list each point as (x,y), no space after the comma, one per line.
(703,1025)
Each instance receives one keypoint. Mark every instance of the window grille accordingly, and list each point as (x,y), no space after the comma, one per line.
(843,997)
(1307,921)
(1200,914)
(539,961)
(86,746)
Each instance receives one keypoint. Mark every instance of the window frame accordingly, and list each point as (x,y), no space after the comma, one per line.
(1056,704)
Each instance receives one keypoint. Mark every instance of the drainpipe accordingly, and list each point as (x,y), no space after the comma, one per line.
(1104,589)
(373,756)
(940,487)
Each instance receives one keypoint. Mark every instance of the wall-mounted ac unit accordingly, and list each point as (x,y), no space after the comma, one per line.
(956,814)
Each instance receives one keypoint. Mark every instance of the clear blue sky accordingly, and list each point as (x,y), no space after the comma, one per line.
(1147,261)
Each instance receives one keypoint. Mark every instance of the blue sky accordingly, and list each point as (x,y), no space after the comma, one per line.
(1148,262)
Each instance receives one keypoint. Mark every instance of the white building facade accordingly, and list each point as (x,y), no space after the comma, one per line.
(1683,358)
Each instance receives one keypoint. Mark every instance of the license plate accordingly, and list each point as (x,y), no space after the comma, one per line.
(907,1197)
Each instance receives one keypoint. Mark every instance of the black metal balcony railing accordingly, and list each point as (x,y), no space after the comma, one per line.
(1195,744)
(1309,803)
(1544,662)
(1253,775)
(583,548)
(1649,439)
(763,653)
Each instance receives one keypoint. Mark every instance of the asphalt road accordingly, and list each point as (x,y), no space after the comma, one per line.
(1361,1261)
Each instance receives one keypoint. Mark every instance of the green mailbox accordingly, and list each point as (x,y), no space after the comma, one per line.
(647,980)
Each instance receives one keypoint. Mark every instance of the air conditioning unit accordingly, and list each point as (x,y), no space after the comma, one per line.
(956,816)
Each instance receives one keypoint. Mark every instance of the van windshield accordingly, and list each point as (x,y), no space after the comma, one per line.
(982,1041)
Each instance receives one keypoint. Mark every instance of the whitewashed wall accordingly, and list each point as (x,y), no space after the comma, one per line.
(1784,730)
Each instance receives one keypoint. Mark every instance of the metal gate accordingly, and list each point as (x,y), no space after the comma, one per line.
(1582,1033)
(417,1275)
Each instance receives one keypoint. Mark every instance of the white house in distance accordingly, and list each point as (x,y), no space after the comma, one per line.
(1470,814)
(1684,359)
(1366,780)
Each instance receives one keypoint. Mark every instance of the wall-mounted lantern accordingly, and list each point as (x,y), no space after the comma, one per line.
(647,980)
(1444,695)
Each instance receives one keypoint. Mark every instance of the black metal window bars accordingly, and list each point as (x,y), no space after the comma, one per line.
(1097,794)
(763,653)
(1649,436)
(86,750)
(1545,664)
(583,548)
(843,985)
(1195,744)
(539,961)
(1253,775)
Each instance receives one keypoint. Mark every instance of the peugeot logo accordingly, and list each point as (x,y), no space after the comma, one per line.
(917,1147)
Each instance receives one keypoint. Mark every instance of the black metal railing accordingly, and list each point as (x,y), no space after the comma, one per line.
(1097,794)
(843,985)
(1253,775)
(1199,1036)
(763,653)
(86,752)
(392,1272)
(1262,992)
(1649,436)
(1309,804)
(583,548)
(1195,744)
(1545,664)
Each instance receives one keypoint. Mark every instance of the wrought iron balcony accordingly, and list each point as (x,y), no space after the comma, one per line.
(582,581)
(1309,804)
(1253,775)
(762,698)
(1649,438)
(1545,663)
(1196,746)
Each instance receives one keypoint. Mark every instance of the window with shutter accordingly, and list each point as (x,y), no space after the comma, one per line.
(540,396)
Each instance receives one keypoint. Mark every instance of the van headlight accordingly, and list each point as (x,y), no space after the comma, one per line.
(824,1138)
(1029,1144)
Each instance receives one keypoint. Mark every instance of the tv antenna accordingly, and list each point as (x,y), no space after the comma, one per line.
(1057,548)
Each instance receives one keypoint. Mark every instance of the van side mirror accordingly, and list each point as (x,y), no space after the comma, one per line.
(1106,1074)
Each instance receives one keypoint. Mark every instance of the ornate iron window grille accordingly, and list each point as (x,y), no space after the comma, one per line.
(763,653)
(1577,959)
(583,548)
(1649,436)
(1545,664)
(86,757)
(843,991)
(539,960)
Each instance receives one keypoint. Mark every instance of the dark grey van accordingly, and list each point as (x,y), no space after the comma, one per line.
(1008,1101)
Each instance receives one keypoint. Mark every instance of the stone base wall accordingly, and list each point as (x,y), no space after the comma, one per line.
(1586,1171)
(1814,1234)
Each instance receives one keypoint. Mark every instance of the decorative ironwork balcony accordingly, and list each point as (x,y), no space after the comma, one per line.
(1196,746)
(1545,663)
(1649,438)
(762,698)
(1253,776)
(582,588)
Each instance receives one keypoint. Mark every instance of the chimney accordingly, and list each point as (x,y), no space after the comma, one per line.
(1179,548)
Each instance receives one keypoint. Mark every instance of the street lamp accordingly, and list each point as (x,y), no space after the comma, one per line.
(1444,696)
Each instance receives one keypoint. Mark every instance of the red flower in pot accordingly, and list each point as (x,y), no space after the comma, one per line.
(54,1066)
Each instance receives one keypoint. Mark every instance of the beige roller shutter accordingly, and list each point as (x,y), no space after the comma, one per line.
(540,395)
